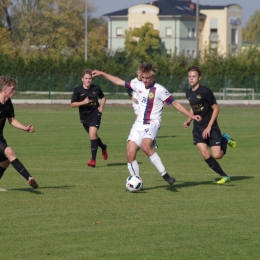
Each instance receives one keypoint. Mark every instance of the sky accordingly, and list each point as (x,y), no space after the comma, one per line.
(109,6)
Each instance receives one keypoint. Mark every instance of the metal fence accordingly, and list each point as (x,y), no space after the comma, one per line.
(60,86)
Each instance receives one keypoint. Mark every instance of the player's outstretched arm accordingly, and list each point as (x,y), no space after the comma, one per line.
(184,111)
(117,81)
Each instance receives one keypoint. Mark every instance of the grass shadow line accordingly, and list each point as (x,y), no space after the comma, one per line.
(177,185)
(38,190)
(165,136)
(117,164)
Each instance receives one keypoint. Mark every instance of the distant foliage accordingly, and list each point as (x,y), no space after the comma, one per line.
(61,73)
(251,32)
(43,46)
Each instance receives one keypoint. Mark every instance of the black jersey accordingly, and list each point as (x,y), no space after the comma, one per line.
(94,92)
(201,101)
(6,111)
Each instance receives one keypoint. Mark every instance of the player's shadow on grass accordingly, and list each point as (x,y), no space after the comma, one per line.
(39,190)
(177,185)
(165,136)
(117,164)
(237,178)
(167,187)
(229,184)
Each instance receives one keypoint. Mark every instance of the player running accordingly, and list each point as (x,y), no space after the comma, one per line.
(206,133)
(152,97)
(7,154)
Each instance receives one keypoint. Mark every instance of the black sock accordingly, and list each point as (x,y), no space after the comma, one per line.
(214,165)
(20,168)
(101,145)
(94,147)
(2,170)
(223,145)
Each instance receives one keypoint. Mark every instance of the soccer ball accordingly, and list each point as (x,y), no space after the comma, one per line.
(134,183)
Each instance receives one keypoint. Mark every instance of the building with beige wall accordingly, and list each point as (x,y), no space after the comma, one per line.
(220,27)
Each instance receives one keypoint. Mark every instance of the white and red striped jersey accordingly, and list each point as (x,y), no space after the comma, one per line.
(151,100)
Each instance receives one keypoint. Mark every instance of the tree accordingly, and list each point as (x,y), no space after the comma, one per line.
(4,14)
(251,32)
(52,27)
(6,43)
(97,37)
(6,46)
(143,43)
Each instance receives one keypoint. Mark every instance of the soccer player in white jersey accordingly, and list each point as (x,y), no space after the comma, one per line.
(134,97)
(152,97)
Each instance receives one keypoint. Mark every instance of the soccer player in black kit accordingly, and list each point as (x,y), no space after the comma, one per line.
(86,97)
(206,133)
(7,155)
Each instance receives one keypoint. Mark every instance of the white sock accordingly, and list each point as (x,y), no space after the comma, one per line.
(156,161)
(133,168)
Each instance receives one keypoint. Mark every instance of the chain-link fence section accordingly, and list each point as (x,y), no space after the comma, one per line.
(61,87)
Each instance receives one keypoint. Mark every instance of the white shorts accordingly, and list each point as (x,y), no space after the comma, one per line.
(140,131)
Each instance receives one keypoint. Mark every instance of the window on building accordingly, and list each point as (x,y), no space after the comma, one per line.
(233,36)
(169,52)
(168,31)
(191,32)
(191,54)
(119,31)
(234,51)
(213,35)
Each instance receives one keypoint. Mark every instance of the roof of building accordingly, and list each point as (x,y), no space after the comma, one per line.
(173,7)
(214,7)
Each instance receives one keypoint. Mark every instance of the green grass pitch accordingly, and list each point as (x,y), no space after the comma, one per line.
(81,212)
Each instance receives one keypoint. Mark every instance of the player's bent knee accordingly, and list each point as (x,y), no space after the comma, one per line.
(217,156)
(9,152)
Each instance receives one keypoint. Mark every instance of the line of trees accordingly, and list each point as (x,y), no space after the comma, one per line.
(47,37)
(50,28)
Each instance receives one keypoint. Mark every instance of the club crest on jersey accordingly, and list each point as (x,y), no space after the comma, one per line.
(198,96)
(151,95)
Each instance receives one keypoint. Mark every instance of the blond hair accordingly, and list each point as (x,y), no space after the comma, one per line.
(148,69)
(6,81)
(86,71)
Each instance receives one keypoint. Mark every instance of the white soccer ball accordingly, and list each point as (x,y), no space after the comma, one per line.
(134,183)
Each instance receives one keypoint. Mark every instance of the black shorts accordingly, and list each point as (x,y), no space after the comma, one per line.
(93,120)
(213,140)
(3,146)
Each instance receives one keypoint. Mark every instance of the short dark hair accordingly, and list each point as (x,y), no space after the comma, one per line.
(195,68)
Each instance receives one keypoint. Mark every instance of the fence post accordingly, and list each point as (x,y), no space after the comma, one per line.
(225,87)
(26,83)
(256,86)
(49,86)
(17,84)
